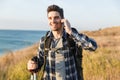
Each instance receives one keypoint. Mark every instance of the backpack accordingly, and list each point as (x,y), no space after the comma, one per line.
(71,44)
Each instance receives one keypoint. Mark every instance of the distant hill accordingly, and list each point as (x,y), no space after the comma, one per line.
(112,31)
(108,37)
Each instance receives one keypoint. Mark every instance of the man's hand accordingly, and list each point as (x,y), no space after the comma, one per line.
(67,26)
(31,65)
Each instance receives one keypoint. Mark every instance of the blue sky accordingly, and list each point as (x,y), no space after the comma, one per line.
(82,14)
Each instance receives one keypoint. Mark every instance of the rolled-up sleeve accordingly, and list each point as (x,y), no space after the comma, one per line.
(86,42)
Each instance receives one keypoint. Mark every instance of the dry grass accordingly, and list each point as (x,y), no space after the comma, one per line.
(9,61)
(103,64)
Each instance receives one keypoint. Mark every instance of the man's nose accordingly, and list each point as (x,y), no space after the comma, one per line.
(53,20)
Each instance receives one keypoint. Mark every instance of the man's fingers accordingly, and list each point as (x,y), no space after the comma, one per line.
(31,65)
(62,20)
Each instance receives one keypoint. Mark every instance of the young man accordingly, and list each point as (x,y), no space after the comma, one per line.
(61,46)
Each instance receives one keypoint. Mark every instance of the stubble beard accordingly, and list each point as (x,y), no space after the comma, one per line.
(57,27)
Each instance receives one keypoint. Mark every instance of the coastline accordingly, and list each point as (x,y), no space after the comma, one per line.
(13,40)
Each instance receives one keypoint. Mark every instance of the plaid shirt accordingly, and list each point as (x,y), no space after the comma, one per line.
(70,68)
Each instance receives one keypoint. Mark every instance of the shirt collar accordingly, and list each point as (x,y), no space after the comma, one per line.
(50,34)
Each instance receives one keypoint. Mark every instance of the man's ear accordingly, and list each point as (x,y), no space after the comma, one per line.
(62,22)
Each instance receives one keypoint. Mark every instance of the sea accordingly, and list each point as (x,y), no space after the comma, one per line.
(12,40)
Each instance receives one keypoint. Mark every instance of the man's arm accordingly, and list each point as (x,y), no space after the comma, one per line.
(40,53)
(86,42)
(35,64)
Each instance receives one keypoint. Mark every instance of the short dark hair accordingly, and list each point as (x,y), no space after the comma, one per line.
(55,8)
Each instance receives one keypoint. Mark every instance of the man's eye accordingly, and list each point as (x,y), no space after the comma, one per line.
(57,17)
(49,17)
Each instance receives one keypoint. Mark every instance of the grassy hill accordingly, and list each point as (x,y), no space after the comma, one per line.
(13,64)
(103,64)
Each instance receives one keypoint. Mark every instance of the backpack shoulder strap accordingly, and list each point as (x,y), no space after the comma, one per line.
(47,43)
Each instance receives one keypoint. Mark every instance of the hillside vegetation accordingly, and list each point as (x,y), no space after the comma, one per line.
(103,64)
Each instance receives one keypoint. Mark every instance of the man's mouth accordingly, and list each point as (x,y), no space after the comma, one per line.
(54,24)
